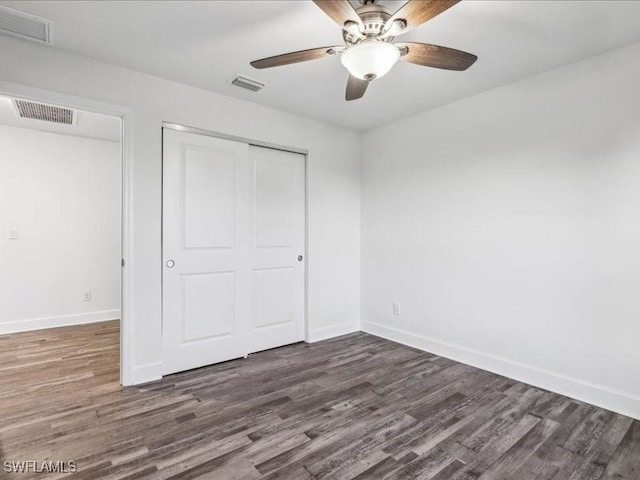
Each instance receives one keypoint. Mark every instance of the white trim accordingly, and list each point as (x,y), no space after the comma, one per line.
(146,373)
(10,89)
(306,247)
(127,324)
(325,333)
(58,321)
(618,401)
(233,138)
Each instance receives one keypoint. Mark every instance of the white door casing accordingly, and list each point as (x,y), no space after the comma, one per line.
(233,227)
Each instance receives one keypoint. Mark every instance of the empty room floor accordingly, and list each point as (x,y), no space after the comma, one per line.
(353,407)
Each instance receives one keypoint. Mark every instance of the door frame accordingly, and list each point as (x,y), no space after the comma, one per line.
(257,143)
(125,114)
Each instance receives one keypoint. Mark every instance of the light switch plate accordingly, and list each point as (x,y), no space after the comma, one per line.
(14,234)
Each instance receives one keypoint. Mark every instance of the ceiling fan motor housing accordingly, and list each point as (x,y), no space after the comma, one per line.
(374,17)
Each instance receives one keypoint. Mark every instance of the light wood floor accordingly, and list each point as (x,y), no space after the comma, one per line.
(357,407)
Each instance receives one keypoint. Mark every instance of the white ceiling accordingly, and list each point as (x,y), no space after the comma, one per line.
(86,124)
(205,43)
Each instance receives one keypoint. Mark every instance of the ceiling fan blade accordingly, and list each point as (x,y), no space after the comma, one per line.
(436,56)
(293,57)
(355,88)
(416,12)
(340,11)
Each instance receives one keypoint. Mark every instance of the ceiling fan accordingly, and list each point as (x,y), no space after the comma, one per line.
(369,33)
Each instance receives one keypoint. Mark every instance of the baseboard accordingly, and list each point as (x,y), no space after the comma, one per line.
(611,399)
(146,373)
(153,371)
(58,321)
(324,333)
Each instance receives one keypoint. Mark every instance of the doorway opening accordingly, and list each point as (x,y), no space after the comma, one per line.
(61,221)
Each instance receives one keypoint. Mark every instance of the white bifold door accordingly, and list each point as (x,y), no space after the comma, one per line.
(233,249)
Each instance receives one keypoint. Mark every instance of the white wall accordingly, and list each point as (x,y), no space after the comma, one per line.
(333,180)
(62,192)
(507,226)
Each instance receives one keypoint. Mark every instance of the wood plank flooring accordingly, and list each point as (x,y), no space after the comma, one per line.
(356,407)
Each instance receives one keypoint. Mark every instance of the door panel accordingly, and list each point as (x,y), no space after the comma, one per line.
(274,200)
(206,294)
(233,226)
(273,302)
(208,305)
(278,200)
(209,198)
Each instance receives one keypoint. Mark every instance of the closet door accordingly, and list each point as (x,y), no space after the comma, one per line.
(206,270)
(233,249)
(277,247)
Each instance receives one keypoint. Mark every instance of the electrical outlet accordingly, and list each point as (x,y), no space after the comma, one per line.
(396,309)
(13,233)
(86,296)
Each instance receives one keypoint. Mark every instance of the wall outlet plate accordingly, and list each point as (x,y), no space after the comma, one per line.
(396,309)
(86,296)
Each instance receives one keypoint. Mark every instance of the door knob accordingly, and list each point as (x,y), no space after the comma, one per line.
(299,258)
(170,263)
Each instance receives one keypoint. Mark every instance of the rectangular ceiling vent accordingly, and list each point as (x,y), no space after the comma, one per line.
(45,113)
(247,83)
(20,24)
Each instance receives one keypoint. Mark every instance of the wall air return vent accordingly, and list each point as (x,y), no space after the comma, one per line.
(23,25)
(45,113)
(247,83)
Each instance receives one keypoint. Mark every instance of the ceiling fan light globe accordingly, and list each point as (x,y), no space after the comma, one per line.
(370,59)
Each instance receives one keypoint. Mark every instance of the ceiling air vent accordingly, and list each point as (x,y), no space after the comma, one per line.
(45,113)
(21,24)
(247,83)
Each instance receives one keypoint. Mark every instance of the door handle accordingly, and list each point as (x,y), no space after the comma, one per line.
(170,263)
(300,257)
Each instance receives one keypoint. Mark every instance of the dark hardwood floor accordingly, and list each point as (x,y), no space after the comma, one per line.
(356,407)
